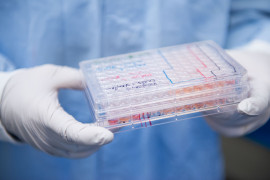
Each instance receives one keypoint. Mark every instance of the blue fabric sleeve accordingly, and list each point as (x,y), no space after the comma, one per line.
(5,65)
(249,20)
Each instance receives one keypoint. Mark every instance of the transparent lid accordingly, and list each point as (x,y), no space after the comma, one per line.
(147,86)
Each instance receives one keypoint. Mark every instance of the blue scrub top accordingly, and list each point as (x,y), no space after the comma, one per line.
(66,32)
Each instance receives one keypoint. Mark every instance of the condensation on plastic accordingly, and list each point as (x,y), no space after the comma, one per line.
(145,88)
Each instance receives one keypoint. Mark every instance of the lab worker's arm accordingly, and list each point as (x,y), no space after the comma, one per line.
(30,112)
(248,41)
(254,111)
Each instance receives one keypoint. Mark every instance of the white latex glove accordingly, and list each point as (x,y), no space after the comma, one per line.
(254,111)
(31,111)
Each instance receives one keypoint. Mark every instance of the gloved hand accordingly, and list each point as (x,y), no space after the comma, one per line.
(31,111)
(254,111)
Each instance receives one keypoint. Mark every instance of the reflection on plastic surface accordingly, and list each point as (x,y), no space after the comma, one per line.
(142,89)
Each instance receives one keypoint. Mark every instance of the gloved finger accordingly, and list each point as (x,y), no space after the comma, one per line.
(258,101)
(60,143)
(56,151)
(67,146)
(66,77)
(87,134)
(75,132)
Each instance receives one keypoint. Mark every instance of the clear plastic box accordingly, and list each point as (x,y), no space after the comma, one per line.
(145,88)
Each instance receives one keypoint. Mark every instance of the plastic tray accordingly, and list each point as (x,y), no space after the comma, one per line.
(145,88)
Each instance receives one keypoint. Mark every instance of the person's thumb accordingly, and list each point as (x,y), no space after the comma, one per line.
(78,133)
(66,77)
(258,101)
